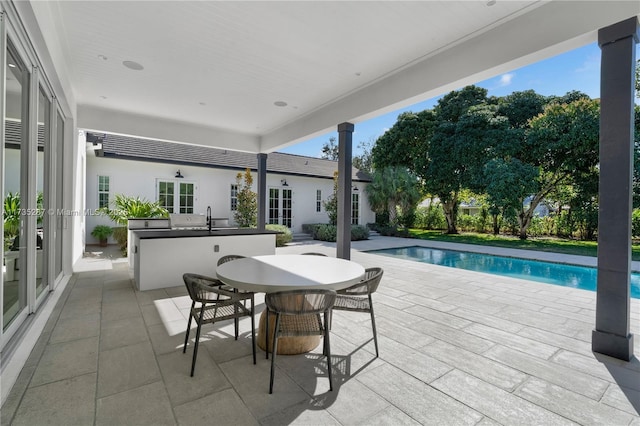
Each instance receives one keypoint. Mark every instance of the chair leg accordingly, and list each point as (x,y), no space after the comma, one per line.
(266,337)
(253,329)
(275,350)
(373,326)
(327,346)
(186,337)
(195,346)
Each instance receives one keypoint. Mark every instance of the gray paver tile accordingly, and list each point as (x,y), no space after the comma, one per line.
(477,365)
(120,309)
(533,347)
(550,371)
(65,360)
(439,317)
(482,397)
(352,401)
(570,404)
(181,387)
(251,382)
(557,340)
(125,368)
(488,320)
(76,327)
(412,338)
(623,399)
(80,308)
(454,336)
(146,405)
(65,402)
(422,403)
(414,362)
(168,337)
(389,416)
(122,332)
(223,408)
(309,412)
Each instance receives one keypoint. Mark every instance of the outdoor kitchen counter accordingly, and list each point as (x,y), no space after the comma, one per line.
(161,257)
(188,233)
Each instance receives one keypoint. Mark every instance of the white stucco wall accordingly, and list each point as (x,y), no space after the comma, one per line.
(138,178)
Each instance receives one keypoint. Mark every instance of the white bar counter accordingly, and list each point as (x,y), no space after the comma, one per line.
(160,257)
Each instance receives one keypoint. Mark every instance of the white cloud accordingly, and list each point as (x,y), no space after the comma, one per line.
(505,79)
(591,64)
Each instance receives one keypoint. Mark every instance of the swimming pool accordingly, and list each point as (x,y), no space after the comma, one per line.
(581,277)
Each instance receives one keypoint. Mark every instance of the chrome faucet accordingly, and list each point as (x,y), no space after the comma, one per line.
(209,222)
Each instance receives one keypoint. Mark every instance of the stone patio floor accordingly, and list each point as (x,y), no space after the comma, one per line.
(456,347)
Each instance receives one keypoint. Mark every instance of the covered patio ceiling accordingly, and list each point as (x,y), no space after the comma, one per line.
(257,76)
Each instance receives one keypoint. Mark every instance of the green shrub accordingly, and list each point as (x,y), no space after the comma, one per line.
(430,218)
(359,232)
(285,236)
(120,234)
(327,232)
(102,232)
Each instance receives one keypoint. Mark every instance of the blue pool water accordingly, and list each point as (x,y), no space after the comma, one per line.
(546,272)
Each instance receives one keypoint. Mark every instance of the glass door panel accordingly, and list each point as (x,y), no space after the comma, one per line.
(274,206)
(42,190)
(14,280)
(59,194)
(280,206)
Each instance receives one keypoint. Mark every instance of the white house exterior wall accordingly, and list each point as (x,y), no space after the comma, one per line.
(212,188)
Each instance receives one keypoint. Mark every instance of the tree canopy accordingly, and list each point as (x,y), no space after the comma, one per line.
(517,150)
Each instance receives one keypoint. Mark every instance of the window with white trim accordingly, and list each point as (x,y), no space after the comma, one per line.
(234,197)
(103,191)
(318,200)
(355,208)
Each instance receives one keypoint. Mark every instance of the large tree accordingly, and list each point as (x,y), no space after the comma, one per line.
(467,128)
(406,143)
(330,150)
(562,142)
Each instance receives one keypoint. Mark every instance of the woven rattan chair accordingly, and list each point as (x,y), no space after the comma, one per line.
(302,309)
(357,298)
(229,258)
(210,303)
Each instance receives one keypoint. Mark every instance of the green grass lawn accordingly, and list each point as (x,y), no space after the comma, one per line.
(555,245)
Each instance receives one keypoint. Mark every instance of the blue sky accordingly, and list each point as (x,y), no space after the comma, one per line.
(577,69)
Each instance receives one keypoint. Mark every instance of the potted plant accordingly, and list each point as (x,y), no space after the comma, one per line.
(102,233)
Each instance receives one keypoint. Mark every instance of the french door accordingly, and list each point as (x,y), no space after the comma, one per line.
(280,206)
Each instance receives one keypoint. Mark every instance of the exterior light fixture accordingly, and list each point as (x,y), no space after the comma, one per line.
(355,188)
(179,175)
(283,182)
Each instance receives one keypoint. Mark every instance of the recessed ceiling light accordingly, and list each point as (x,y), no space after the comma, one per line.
(12,65)
(133,65)
(103,97)
(202,103)
(358,74)
(280,103)
(491,2)
(104,58)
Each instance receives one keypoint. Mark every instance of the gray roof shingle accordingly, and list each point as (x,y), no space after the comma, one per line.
(130,148)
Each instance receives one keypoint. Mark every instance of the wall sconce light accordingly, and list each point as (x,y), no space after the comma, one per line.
(179,175)
(355,188)
(283,182)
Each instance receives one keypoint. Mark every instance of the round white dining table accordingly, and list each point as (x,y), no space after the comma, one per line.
(281,272)
(267,274)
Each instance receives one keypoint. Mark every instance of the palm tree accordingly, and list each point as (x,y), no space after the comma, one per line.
(393,189)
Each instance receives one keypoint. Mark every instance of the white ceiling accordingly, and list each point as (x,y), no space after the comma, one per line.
(213,70)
